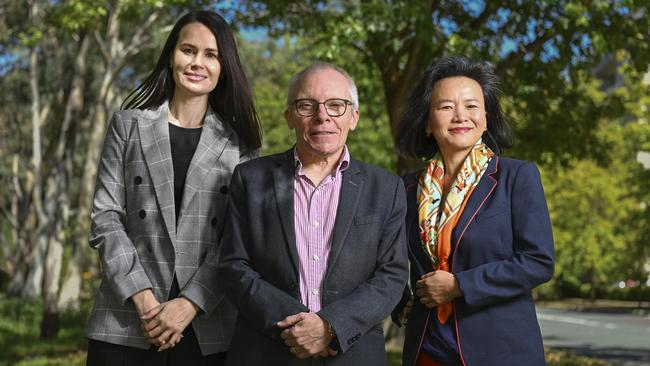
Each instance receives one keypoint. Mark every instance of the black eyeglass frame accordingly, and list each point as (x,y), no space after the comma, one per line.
(316,103)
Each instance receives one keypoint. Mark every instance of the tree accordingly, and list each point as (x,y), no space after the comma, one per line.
(543,50)
(47,204)
(272,62)
(599,204)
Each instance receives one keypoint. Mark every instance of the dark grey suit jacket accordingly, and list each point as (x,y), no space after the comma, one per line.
(140,241)
(366,270)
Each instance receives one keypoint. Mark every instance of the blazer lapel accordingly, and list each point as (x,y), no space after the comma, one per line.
(283,187)
(214,137)
(414,244)
(351,188)
(479,196)
(154,139)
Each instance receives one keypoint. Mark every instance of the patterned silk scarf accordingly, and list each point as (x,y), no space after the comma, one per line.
(436,222)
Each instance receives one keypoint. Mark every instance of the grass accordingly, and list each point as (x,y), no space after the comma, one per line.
(560,358)
(19,336)
(20,344)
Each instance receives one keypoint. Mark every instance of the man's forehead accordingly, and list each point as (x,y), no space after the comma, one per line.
(324,80)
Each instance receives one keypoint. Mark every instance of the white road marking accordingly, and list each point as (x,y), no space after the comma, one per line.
(572,320)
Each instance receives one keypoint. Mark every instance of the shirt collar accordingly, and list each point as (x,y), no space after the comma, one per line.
(344,161)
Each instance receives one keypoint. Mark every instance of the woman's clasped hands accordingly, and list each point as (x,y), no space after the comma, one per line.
(163,323)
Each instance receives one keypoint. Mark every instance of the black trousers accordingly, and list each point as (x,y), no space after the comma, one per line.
(186,352)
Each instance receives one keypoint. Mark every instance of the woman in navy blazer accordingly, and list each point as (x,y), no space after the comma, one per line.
(473,303)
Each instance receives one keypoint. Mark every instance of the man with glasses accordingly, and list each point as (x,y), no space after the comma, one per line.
(314,253)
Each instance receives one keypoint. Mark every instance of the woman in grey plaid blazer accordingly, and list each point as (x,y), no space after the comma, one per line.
(161,199)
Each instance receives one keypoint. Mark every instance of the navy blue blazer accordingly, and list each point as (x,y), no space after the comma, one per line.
(366,270)
(503,249)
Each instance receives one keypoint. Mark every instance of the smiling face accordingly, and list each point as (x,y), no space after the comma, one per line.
(457,117)
(195,61)
(321,136)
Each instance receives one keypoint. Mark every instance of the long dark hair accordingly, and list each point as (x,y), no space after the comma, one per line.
(232,99)
(411,139)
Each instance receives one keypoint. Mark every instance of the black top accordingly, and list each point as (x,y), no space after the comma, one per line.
(183,143)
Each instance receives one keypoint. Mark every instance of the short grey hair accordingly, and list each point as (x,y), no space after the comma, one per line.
(317,66)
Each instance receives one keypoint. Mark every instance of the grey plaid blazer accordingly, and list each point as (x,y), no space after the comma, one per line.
(134,228)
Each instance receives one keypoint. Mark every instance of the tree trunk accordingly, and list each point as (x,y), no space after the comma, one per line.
(33,284)
(17,282)
(111,48)
(71,288)
(397,82)
(53,262)
(69,295)
(17,266)
(115,53)
(58,202)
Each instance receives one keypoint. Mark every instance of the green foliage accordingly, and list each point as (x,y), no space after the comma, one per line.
(589,207)
(30,37)
(572,82)
(545,51)
(600,215)
(76,15)
(19,335)
(270,65)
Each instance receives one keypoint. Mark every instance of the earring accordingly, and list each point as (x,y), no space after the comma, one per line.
(171,67)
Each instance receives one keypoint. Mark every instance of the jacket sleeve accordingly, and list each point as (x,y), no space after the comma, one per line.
(371,302)
(532,261)
(119,258)
(398,316)
(207,298)
(259,302)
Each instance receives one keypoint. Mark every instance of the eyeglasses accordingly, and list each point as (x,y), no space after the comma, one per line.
(335,107)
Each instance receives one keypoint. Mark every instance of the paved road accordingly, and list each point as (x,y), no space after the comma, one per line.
(621,339)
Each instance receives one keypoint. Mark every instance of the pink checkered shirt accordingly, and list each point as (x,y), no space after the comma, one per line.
(314,210)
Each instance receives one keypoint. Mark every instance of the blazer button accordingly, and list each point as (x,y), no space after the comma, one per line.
(223,189)
(142,214)
(292,286)
(137,180)
(214,221)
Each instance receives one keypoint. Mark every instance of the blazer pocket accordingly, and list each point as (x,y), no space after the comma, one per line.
(492,214)
(368,219)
